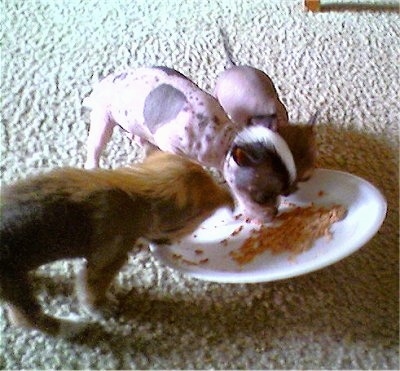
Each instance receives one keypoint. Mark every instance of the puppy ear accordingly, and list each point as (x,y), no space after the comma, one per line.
(241,156)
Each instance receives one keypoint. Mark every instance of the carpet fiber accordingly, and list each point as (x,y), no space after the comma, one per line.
(343,61)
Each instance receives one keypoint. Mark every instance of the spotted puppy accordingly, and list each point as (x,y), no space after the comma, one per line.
(97,215)
(161,108)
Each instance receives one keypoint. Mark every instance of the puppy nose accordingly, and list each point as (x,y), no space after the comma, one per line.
(273,212)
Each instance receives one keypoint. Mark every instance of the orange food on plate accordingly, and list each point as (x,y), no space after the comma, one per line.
(293,231)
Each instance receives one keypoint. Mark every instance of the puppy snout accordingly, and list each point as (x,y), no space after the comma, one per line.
(272,212)
(269,205)
(269,214)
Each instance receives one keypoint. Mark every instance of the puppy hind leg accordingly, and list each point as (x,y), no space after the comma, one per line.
(23,309)
(62,327)
(101,128)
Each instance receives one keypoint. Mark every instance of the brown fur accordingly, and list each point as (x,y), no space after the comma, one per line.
(97,215)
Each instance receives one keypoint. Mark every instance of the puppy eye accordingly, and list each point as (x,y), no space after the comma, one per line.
(241,157)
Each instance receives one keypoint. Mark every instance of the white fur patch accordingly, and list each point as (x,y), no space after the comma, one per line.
(259,133)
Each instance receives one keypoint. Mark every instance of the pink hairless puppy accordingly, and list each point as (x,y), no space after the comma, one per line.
(161,108)
(249,97)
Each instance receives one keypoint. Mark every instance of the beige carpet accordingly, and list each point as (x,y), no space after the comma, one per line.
(344,61)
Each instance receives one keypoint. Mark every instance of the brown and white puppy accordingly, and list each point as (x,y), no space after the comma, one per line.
(97,215)
(260,168)
(249,97)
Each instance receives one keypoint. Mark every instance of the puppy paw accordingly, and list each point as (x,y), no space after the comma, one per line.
(72,327)
(105,308)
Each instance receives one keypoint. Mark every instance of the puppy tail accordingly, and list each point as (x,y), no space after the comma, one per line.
(228,53)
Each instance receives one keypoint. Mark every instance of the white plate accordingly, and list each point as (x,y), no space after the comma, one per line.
(201,255)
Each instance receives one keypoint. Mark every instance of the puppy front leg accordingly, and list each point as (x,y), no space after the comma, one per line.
(147,147)
(95,279)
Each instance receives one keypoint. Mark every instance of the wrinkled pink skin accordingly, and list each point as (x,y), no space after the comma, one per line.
(182,119)
(249,96)
(199,125)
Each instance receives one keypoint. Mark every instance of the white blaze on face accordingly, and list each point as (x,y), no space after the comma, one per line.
(259,133)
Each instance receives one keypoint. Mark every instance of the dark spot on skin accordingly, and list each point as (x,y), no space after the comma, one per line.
(202,119)
(126,113)
(170,71)
(198,146)
(208,138)
(216,120)
(121,76)
(162,105)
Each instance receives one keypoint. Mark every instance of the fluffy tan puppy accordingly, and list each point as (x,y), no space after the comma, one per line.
(97,215)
